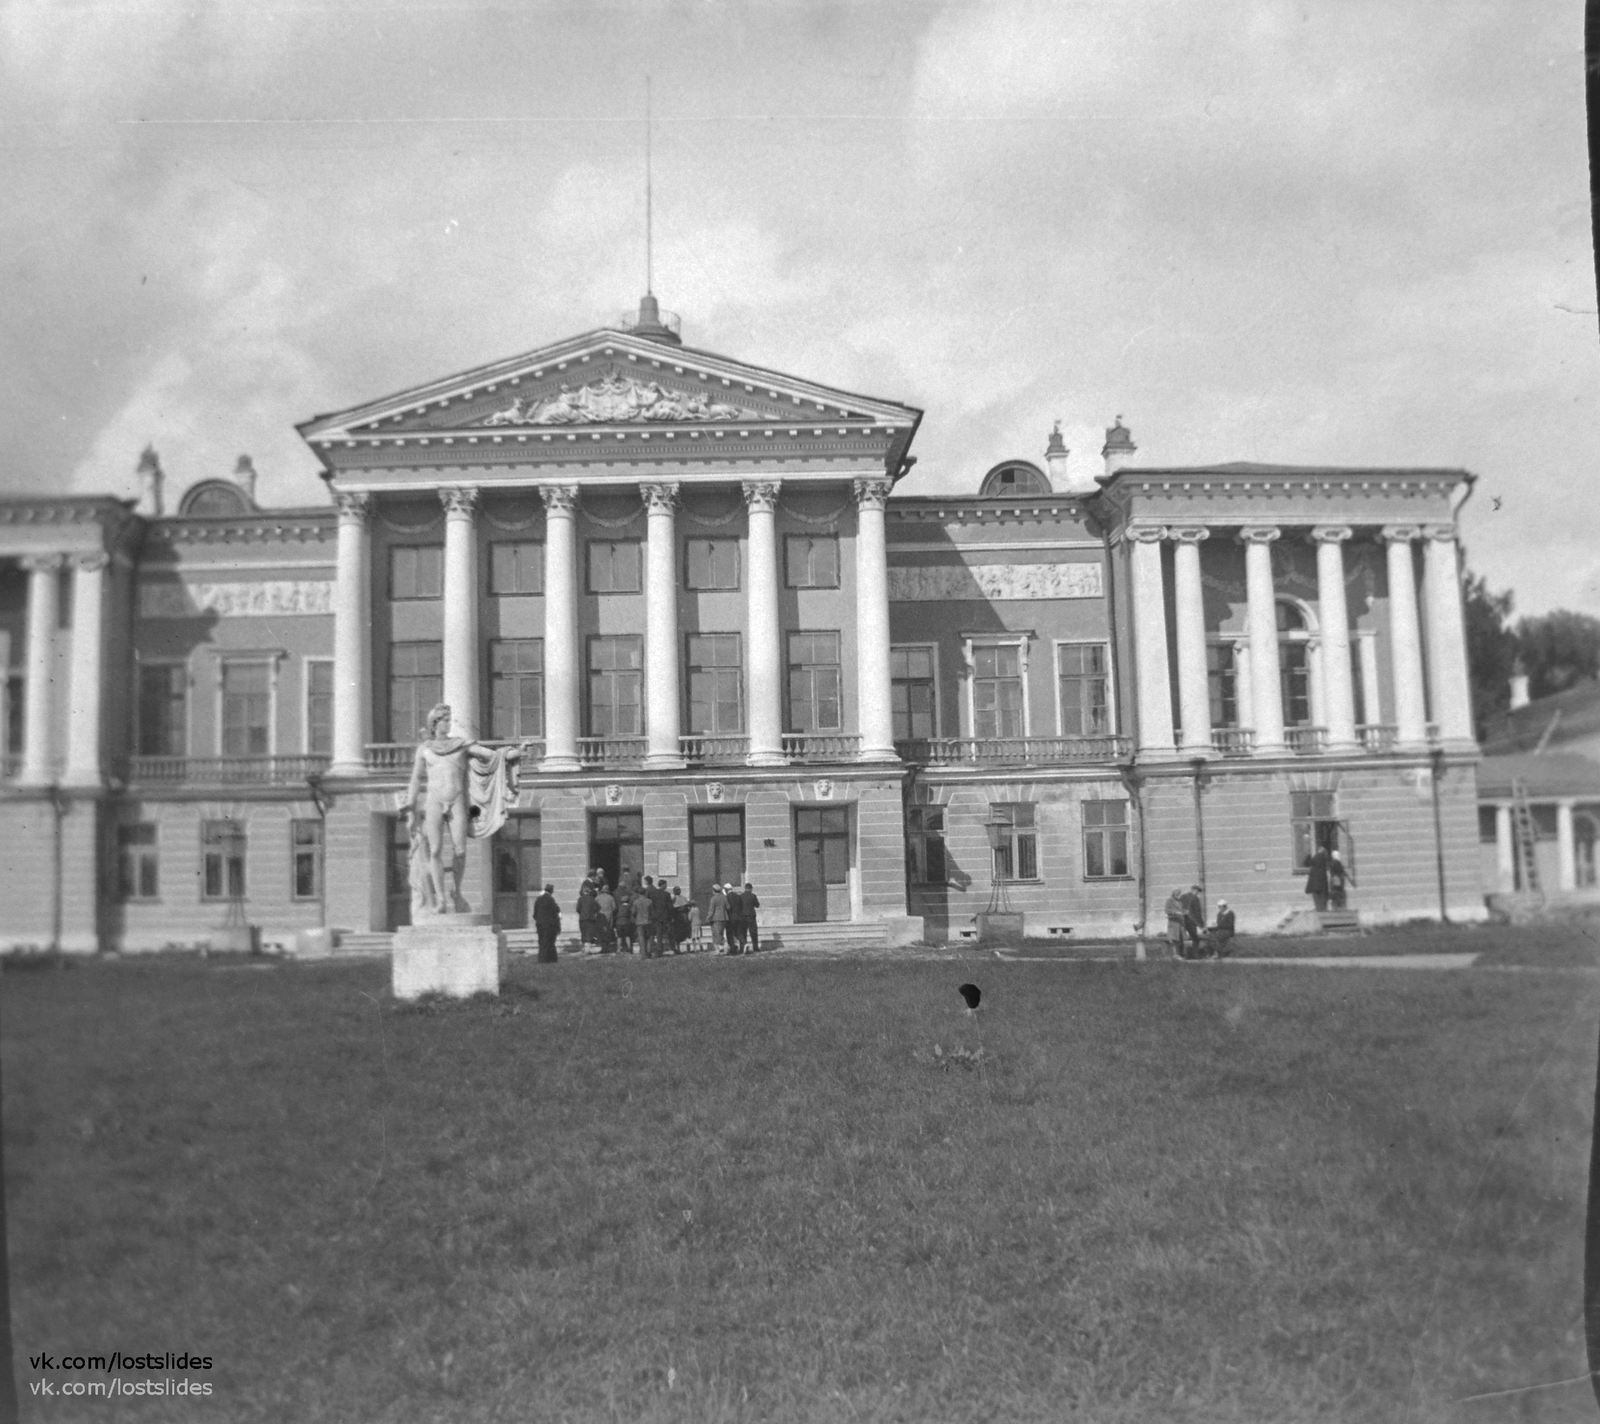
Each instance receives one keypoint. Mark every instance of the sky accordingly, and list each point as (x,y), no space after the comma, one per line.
(1310,231)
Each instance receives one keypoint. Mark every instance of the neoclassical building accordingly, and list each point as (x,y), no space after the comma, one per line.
(685,587)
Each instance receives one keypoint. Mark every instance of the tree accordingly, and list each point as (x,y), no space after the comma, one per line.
(1558,649)
(1491,649)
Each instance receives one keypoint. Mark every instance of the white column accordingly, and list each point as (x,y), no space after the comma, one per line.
(1314,688)
(1333,613)
(874,688)
(1370,700)
(1194,691)
(1152,676)
(461,608)
(764,658)
(1450,682)
(562,675)
(88,647)
(662,699)
(352,636)
(1505,853)
(1243,689)
(1405,641)
(1566,860)
(1266,683)
(44,615)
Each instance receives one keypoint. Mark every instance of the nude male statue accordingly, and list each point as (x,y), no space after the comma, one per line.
(444,771)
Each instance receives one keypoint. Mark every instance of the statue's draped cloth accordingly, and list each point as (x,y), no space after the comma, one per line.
(491,787)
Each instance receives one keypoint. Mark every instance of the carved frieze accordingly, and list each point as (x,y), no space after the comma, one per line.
(994,582)
(274,598)
(615,399)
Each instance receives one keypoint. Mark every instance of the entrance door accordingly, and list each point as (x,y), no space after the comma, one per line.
(398,870)
(821,859)
(716,853)
(517,870)
(616,843)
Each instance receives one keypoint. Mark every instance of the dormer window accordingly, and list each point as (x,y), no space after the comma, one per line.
(1015,477)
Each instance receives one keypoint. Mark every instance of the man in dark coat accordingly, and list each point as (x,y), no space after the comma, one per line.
(1317,878)
(1194,918)
(547,921)
(736,922)
(751,919)
(661,915)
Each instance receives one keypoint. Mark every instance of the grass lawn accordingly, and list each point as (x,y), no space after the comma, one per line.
(714,1190)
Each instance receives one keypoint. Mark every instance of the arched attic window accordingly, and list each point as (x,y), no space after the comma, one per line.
(215,499)
(1015,477)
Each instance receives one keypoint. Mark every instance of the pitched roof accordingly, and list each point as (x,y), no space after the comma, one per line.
(1577,708)
(1542,775)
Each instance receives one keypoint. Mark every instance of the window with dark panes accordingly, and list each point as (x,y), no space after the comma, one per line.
(518,851)
(814,682)
(416,684)
(222,860)
(925,844)
(911,690)
(1085,690)
(319,706)
(416,571)
(246,709)
(163,709)
(1016,853)
(1222,681)
(516,567)
(1294,666)
(1105,839)
(811,560)
(516,688)
(305,847)
(711,563)
(139,865)
(615,566)
(616,672)
(715,705)
(997,691)
(1488,824)
(831,828)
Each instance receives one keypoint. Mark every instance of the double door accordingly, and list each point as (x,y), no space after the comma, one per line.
(821,864)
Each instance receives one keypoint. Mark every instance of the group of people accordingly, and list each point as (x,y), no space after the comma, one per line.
(1327,879)
(1187,931)
(644,917)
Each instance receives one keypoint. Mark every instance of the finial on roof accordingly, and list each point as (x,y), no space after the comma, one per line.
(1056,445)
(244,475)
(150,481)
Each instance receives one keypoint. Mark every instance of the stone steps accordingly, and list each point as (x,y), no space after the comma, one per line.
(363,944)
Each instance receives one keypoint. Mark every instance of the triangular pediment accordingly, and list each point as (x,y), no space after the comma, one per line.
(607,380)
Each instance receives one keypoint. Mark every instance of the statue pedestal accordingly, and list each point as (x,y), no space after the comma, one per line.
(454,953)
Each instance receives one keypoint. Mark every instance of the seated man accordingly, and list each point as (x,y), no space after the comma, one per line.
(1220,937)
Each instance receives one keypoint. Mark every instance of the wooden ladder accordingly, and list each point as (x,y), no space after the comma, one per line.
(1525,834)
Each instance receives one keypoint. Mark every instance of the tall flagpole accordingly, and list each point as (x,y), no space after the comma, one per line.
(648,274)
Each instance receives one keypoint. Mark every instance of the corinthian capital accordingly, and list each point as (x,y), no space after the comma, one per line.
(353,508)
(1259,534)
(559,499)
(660,498)
(459,503)
(762,495)
(873,492)
(1330,533)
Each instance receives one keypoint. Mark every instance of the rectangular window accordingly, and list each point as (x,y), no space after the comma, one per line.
(416,683)
(811,560)
(1105,839)
(911,689)
(138,859)
(305,847)
(814,682)
(1312,823)
(997,691)
(1296,675)
(416,571)
(826,836)
(516,688)
(222,856)
(715,705)
(925,845)
(711,563)
(1488,824)
(1016,852)
(1546,825)
(1085,690)
(16,700)
(615,566)
(516,567)
(163,709)
(246,709)
(616,674)
(1222,679)
(518,847)
(319,706)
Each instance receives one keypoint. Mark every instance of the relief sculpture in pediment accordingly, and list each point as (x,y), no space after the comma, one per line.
(615,399)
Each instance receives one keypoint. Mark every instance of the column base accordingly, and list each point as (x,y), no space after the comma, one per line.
(1349,748)
(1271,749)
(560,762)
(83,779)
(877,754)
(1455,746)
(1199,750)
(766,757)
(344,769)
(664,761)
(1149,754)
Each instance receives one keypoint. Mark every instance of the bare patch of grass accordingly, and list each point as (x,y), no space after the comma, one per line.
(704,1191)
